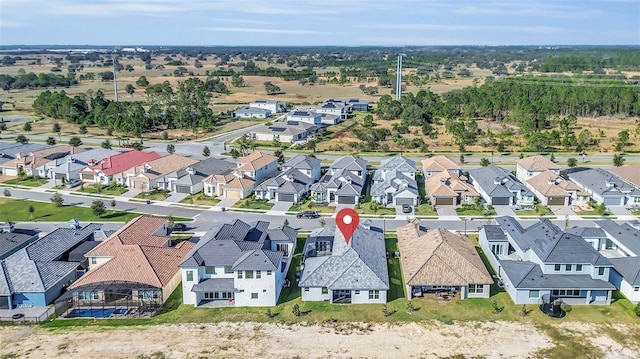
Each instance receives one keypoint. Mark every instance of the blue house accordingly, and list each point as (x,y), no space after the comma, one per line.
(36,275)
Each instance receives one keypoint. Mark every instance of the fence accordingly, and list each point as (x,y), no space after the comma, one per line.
(14,317)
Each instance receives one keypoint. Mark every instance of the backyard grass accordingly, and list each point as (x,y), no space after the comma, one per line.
(201,198)
(539,211)
(253,203)
(101,189)
(474,210)
(155,195)
(18,211)
(374,208)
(29,182)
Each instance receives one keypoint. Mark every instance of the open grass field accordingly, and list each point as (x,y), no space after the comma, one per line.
(18,211)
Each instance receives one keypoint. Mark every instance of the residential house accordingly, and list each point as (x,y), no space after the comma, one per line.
(358,105)
(238,264)
(437,164)
(341,273)
(394,183)
(309,165)
(29,162)
(438,260)
(257,166)
(190,179)
(13,239)
(288,186)
(230,185)
(154,174)
(140,258)
(270,105)
(251,112)
(594,236)
(339,111)
(448,188)
(34,276)
(113,168)
(542,260)
(307,116)
(285,132)
(553,190)
(69,167)
(631,175)
(604,186)
(532,166)
(9,150)
(499,187)
(343,183)
(623,248)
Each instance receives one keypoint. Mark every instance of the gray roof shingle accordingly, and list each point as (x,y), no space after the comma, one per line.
(528,275)
(625,234)
(498,182)
(629,269)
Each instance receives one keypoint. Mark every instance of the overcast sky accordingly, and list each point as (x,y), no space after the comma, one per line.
(320,22)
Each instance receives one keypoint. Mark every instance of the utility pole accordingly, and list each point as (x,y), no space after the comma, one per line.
(399,79)
(115,81)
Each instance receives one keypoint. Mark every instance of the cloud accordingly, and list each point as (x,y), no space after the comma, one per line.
(540,9)
(443,27)
(11,23)
(263,31)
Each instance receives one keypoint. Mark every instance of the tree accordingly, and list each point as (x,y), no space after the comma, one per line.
(57,129)
(7,193)
(75,141)
(22,139)
(51,141)
(234,153)
(171,149)
(572,162)
(31,211)
(271,89)
(484,162)
(367,121)
(206,152)
(462,158)
(130,89)
(106,144)
(113,203)
(552,158)
(98,208)
(83,129)
(237,80)
(142,82)
(165,135)
(27,127)
(57,199)
(296,310)
(618,160)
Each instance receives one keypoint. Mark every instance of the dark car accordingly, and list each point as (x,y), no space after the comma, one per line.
(406,208)
(308,214)
(179,227)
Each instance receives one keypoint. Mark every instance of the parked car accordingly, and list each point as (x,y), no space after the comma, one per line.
(179,227)
(308,214)
(406,208)
(73,183)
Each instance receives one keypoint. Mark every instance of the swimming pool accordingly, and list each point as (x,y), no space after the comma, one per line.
(94,312)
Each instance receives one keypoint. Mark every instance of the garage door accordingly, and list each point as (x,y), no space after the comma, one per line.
(87,177)
(346,199)
(556,201)
(401,201)
(183,189)
(500,201)
(282,197)
(233,194)
(60,176)
(611,201)
(444,201)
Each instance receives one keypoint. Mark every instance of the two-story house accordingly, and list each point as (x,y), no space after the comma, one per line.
(238,264)
(544,261)
(257,166)
(499,187)
(437,164)
(308,116)
(343,183)
(394,183)
(529,167)
(270,105)
(309,165)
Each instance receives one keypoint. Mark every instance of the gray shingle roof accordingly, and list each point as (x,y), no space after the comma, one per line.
(214,285)
(350,163)
(595,180)
(497,181)
(302,162)
(9,242)
(587,232)
(290,181)
(528,275)
(393,178)
(494,233)
(623,233)
(629,269)
(360,265)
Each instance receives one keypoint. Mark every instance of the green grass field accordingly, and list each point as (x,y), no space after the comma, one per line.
(18,211)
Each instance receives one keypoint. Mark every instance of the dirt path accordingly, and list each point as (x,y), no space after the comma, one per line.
(251,340)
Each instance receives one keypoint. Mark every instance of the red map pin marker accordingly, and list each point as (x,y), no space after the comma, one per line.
(347,221)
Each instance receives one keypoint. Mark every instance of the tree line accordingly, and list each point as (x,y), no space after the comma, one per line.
(32,81)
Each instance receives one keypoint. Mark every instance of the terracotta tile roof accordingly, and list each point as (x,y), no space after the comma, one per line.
(255,160)
(163,165)
(439,257)
(225,178)
(138,253)
(122,162)
(537,163)
(239,183)
(550,184)
(630,174)
(448,184)
(438,163)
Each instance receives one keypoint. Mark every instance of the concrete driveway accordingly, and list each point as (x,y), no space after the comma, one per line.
(279,208)
(226,202)
(504,211)
(447,213)
(621,213)
(176,197)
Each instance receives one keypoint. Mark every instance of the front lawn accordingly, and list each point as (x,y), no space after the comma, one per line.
(18,211)
(98,188)
(201,198)
(475,210)
(636,212)
(425,209)
(595,212)
(374,208)
(307,205)
(154,195)
(29,182)
(540,210)
(253,203)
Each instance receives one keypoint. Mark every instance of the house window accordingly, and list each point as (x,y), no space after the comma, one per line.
(556,268)
(189,276)
(258,274)
(147,294)
(239,274)
(280,247)
(600,270)
(565,292)
(534,294)
(636,289)
(578,267)
(210,270)
(497,249)
(254,295)
(269,272)
(306,289)
(227,269)
(567,267)
(248,274)
(94,260)
(357,292)
(325,290)
(374,294)
(476,288)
